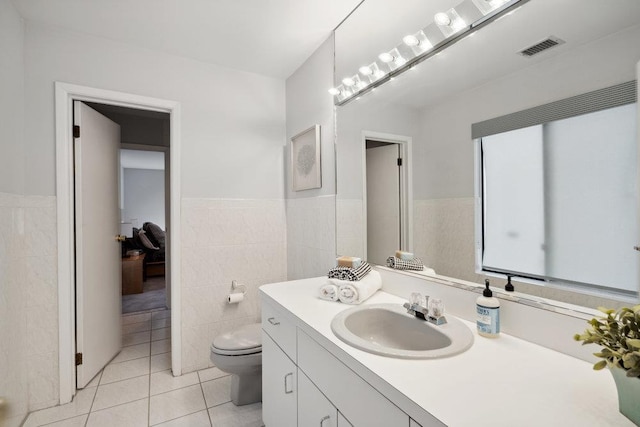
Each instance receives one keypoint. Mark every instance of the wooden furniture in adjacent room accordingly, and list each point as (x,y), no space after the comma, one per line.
(132,274)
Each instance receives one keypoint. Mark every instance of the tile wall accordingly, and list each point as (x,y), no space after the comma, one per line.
(349,227)
(443,236)
(311,236)
(28,304)
(225,240)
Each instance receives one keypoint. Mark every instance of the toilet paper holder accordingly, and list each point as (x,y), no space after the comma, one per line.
(238,286)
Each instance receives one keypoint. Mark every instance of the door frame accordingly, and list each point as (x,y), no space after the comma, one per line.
(406,184)
(65,94)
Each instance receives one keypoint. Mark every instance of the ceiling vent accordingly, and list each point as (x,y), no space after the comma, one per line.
(546,44)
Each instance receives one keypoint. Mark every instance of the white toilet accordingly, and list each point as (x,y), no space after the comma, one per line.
(239,353)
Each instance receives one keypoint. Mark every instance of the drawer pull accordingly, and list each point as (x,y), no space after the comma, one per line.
(288,390)
(273,321)
(326,417)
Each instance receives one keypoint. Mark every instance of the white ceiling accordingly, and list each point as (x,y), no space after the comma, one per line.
(268,37)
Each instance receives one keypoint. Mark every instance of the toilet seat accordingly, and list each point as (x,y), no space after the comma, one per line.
(242,341)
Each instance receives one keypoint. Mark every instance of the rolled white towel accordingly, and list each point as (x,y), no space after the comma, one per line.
(357,292)
(329,291)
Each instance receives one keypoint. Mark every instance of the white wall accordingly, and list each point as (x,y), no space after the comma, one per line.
(311,244)
(232,121)
(232,133)
(14,352)
(11,99)
(144,196)
(309,103)
(370,113)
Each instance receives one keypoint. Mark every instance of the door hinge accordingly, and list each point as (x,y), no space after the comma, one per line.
(399,161)
(76,131)
(78,359)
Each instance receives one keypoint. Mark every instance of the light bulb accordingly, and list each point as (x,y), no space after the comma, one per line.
(348,81)
(378,74)
(442,19)
(366,70)
(333,91)
(386,57)
(411,40)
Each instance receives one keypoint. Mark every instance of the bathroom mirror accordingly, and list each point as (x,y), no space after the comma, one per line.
(430,109)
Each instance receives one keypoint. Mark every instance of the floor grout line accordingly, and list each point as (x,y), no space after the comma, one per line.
(125,379)
(92,400)
(177,418)
(204,398)
(149,401)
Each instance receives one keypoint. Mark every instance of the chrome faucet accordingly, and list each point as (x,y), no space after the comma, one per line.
(432,310)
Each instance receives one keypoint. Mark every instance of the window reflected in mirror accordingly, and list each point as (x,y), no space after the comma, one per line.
(559,201)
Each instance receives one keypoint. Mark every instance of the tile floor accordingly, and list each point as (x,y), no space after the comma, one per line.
(137,388)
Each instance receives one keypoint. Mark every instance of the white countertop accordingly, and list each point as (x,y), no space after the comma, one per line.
(499,382)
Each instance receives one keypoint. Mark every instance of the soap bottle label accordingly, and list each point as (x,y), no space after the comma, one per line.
(488,319)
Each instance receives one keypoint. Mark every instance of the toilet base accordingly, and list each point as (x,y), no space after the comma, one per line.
(246,389)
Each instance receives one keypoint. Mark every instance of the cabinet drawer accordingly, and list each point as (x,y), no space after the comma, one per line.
(360,403)
(280,328)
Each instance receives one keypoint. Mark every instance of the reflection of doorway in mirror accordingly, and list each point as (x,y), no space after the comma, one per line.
(386,201)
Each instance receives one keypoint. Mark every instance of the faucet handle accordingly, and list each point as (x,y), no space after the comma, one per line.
(436,307)
(416,298)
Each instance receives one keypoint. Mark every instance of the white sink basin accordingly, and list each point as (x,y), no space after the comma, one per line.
(388,330)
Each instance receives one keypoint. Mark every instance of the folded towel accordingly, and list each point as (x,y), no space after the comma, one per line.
(329,291)
(404,255)
(351,274)
(349,261)
(401,264)
(351,292)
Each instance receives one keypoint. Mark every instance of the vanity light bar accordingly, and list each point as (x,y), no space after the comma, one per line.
(447,28)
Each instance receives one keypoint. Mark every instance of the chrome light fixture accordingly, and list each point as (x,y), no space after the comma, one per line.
(446,29)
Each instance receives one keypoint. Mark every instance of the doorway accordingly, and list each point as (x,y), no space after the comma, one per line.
(142,221)
(144,199)
(387,201)
(66,95)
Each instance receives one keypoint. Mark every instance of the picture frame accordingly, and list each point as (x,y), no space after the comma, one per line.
(306,171)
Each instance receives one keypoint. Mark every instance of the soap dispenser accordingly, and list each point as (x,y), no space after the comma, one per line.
(509,286)
(488,313)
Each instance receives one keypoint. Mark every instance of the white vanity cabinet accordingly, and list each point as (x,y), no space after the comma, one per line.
(354,397)
(279,370)
(314,409)
(279,386)
(304,385)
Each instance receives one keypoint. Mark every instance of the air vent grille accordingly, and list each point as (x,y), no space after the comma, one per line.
(542,46)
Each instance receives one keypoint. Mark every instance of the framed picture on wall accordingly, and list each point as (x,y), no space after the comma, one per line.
(305,159)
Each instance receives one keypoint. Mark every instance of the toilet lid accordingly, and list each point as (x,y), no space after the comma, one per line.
(246,339)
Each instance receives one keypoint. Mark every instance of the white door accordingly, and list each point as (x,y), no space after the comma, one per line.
(98,253)
(383,203)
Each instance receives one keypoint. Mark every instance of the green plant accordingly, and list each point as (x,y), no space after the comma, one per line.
(619,333)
